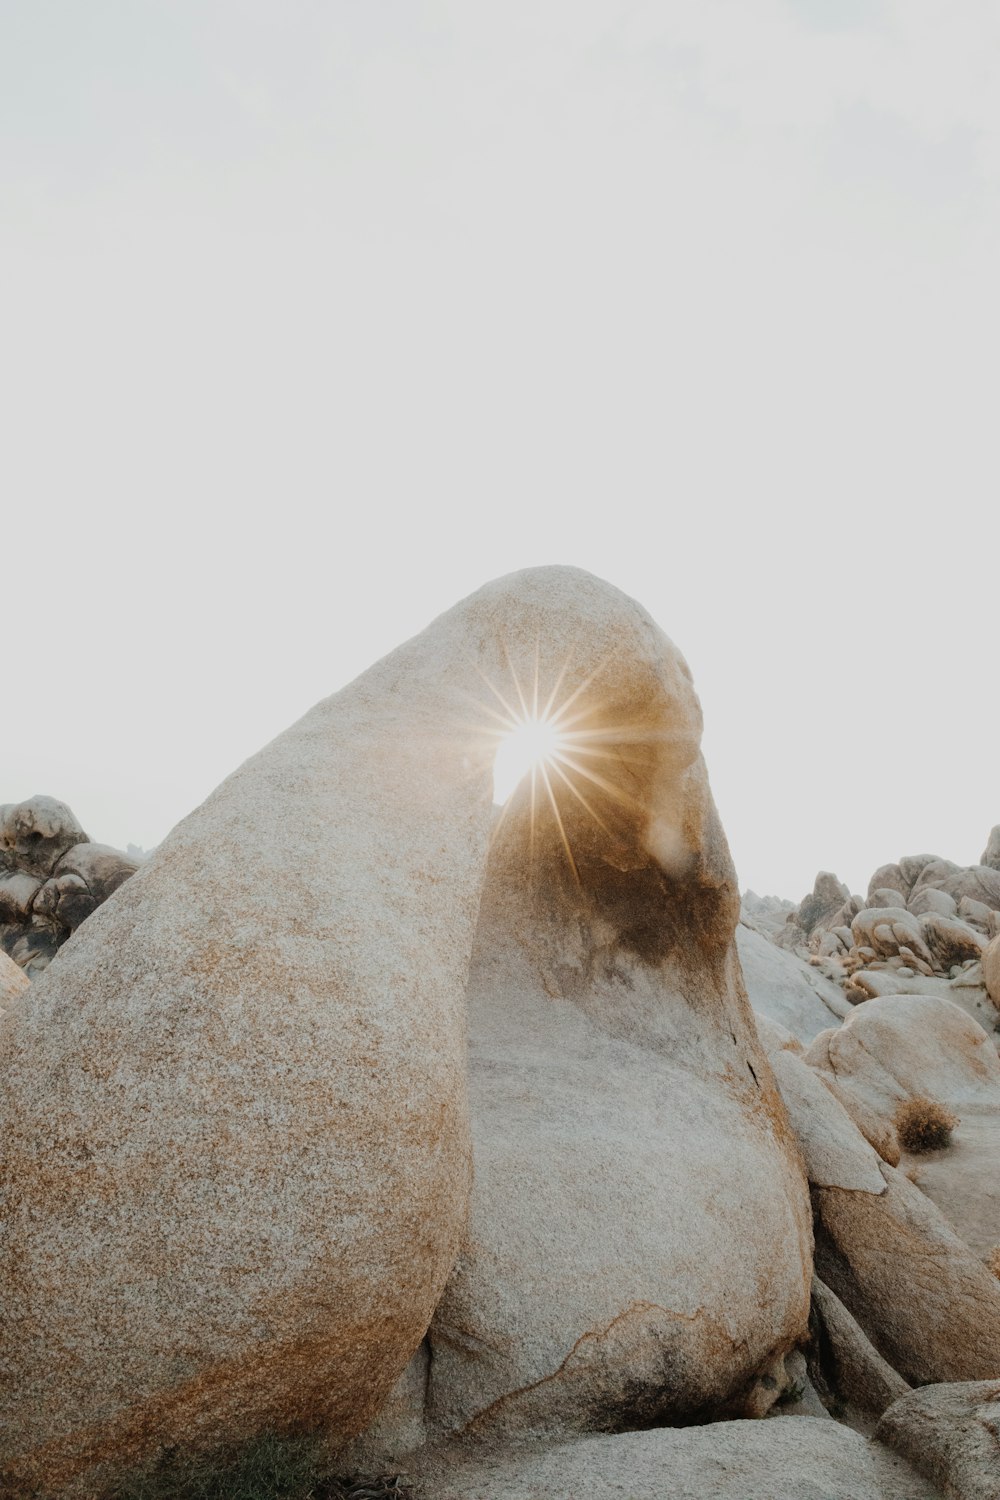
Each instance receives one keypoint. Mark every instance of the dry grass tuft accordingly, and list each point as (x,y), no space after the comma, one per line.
(924,1124)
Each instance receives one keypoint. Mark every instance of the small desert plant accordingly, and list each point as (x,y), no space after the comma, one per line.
(924,1124)
(792,1394)
(993,1261)
(270,1468)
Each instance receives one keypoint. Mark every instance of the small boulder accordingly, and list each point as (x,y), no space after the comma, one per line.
(929,899)
(950,940)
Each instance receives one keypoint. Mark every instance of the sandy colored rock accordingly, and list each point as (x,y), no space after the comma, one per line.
(991,970)
(35,834)
(963,1179)
(843,1363)
(928,899)
(249,1157)
(889,877)
(877,1131)
(898,1046)
(795,1458)
(912,866)
(785,989)
(776,1038)
(950,940)
(929,1306)
(887,930)
(13,981)
(951,1432)
(991,854)
(836,1154)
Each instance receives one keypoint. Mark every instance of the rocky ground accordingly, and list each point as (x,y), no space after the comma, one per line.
(347,1116)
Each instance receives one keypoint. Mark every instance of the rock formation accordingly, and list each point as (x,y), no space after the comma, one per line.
(235,1112)
(52,877)
(241,1110)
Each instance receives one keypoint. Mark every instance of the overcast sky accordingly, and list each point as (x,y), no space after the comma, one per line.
(315,316)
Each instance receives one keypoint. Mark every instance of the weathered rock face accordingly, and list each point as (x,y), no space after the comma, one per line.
(991,971)
(13,981)
(805,1458)
(843,1364)
(929,1306)
(235,1109)
(51,878)
(951,1433)
(991,854)
(786,990)
(898,1046)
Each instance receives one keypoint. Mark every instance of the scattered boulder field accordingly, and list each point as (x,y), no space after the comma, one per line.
(500,1149)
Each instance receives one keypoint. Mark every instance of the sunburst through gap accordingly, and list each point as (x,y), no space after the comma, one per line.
(532,744)
(556,745)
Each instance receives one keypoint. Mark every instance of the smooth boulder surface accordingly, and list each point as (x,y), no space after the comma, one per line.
(951,1433)
(902,1045)
(13,981)
(784,989)
(798,1458)
(926,1302)
(844,1364)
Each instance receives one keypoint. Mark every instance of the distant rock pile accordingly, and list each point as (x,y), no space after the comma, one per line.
(52,876)
(922,916)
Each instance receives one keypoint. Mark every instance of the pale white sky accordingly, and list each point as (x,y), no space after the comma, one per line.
(315,316)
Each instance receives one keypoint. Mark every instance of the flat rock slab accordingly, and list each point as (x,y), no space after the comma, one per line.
(794,1458)
(952,1433)
(785,989)
(963,1180)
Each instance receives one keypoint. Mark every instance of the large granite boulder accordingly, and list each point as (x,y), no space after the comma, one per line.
(784,989)
(236,1144)
(899,1046)
(924,1299)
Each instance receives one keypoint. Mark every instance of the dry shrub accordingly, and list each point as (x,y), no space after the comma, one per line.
(993,1261)
(924,1124)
